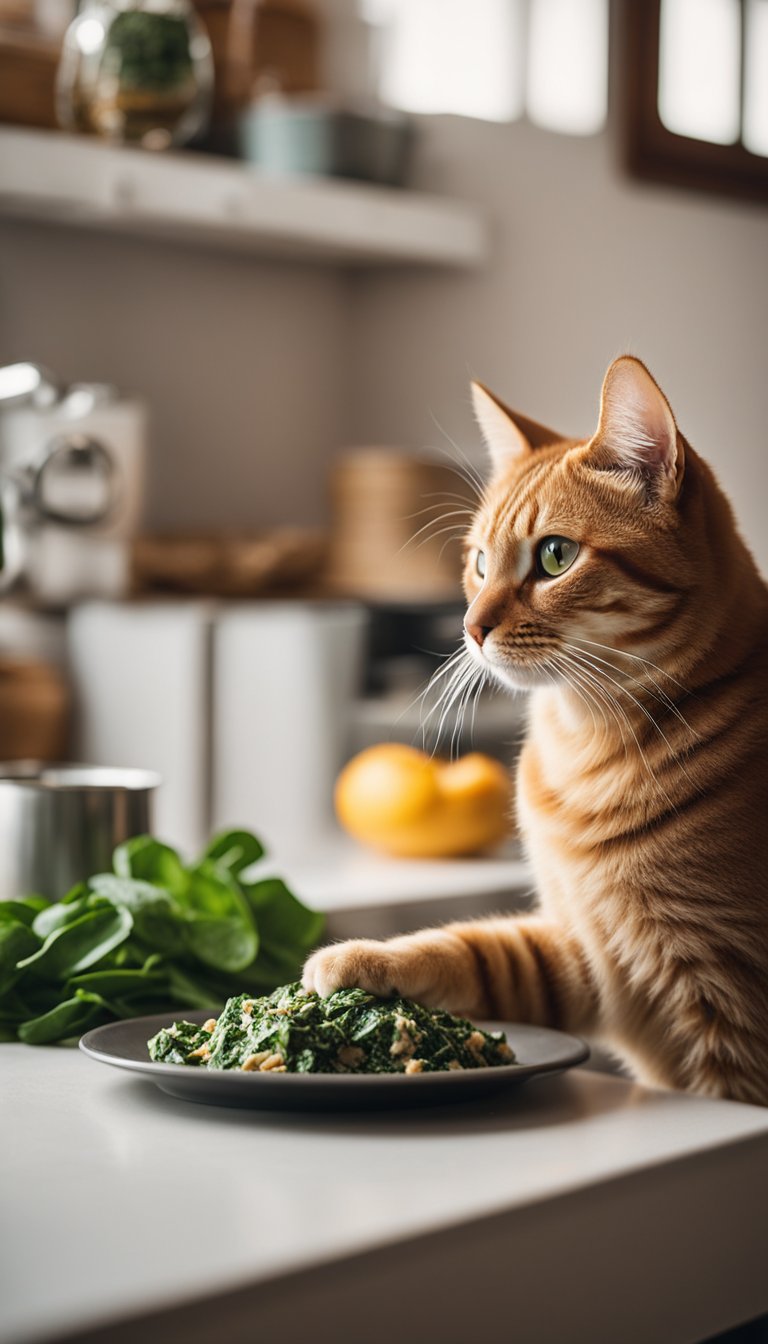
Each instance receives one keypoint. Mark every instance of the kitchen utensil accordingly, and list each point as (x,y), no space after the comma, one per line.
(538,1051)
(71,485)
(60,824)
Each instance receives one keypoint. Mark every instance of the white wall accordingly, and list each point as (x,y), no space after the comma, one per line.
(258,372)
(586,264)
(242,363)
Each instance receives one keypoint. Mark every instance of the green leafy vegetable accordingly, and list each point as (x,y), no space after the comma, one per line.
(66,1019)
(80,944)
(16,942)
(235,851)
(24,912)
(154,934)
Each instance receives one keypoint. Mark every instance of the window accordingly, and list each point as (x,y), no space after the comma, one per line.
(496,59)
(567,76)
(697,93)
(437,56)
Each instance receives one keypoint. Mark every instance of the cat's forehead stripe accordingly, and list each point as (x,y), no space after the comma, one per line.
(511,508)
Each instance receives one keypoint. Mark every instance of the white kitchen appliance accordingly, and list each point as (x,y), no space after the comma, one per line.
(243,709)
(72,470)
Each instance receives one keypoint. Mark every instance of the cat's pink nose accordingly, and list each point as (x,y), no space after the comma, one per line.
(478,632)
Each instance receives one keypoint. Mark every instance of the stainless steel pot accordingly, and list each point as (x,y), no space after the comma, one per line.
(59,824)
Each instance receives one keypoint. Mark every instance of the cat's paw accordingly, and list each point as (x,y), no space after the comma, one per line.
(360,963)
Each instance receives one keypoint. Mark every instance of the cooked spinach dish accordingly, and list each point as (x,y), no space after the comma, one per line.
(296,1031)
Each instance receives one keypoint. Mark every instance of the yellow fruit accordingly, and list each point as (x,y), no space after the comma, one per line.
(403,802)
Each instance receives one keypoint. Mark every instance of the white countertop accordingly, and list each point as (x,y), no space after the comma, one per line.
(366,894)
(340,874)
(119,1201)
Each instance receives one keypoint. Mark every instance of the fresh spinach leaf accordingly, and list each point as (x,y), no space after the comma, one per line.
(70,1018)
(59,915)
(234,850)
(157,918)
(151,934)
(79,945)
(16,942)
(193,988)
(24,911)
(122,983)
(283,921)
(150,861)
(226,944)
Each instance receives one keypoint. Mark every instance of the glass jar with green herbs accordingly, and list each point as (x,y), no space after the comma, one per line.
(136,71)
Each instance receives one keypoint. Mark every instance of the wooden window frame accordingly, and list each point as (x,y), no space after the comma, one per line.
(653,152)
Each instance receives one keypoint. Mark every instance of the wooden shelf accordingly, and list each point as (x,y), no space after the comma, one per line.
(79,182)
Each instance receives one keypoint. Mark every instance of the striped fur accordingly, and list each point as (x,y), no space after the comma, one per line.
(643,782)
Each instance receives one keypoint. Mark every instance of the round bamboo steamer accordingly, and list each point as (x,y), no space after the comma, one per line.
(388,542)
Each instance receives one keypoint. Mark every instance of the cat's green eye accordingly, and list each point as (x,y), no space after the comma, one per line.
(555,555)
(480,564)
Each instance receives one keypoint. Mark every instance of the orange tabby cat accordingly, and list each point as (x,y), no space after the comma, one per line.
(608,576)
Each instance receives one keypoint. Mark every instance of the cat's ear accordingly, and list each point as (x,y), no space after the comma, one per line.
(637,430)
(508,435)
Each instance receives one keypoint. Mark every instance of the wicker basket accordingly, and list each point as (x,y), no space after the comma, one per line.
(381,498)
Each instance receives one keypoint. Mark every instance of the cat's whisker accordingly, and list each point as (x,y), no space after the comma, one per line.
(471,700)
(450,664)
(645,663)
(576,689)
(591,677)
(659,694)
(430,681)
(459,720)
(636,657)
(441,504)
(447,542)
(455,513)
(462,464)
(480,685)
(455,495)
(469,467)
(444,707)
(601,698)
(589,658)
(454,669)
(618,710)
(472,482)
(594,674)
(457,531)
(443,701)
(458,687)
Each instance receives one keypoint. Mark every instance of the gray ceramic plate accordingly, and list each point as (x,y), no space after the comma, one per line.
(124,1045)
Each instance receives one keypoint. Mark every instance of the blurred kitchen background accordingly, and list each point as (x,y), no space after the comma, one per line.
(250,256)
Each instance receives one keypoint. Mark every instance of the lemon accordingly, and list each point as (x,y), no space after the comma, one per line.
(403,802)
